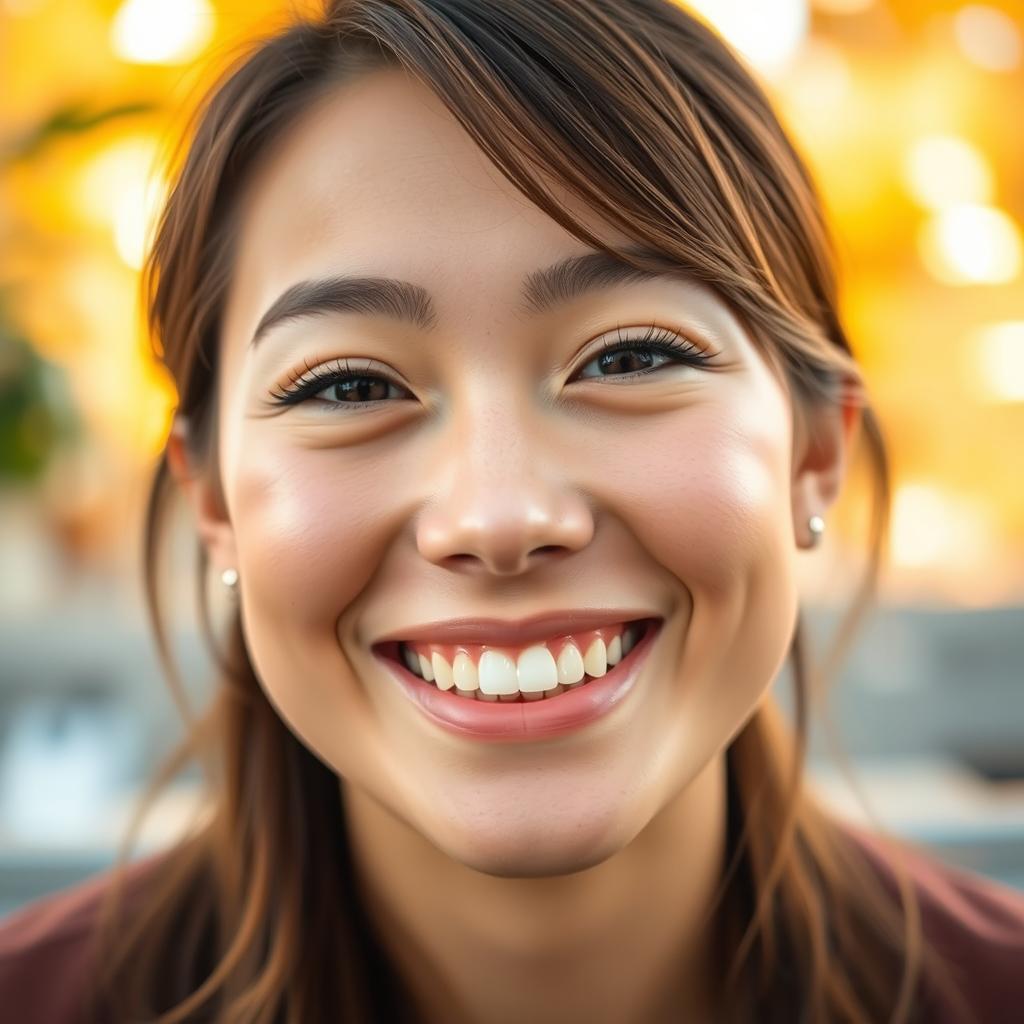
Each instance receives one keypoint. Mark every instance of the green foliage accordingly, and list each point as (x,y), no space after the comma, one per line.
(37,412)
(71,119)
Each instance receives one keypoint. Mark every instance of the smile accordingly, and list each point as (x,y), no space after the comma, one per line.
(517,714)
(541,670)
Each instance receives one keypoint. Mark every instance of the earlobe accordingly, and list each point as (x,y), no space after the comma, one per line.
(203,496)
(821,452)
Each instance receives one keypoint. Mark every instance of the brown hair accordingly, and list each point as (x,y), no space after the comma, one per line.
(642,112)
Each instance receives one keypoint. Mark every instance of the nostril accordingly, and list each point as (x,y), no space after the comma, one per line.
(508,563)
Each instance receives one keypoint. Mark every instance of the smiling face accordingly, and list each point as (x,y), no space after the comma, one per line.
(497,467)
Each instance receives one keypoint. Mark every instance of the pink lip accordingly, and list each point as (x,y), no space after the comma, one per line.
(517,632)
(526,720)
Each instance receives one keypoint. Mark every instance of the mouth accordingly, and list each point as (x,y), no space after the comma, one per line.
(462,705)
(489,672)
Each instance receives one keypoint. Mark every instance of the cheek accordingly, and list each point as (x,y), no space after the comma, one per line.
(712,504)
(713,507)
(304,527)
(303,531)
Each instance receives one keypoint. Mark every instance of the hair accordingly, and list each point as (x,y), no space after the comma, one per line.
(644,113)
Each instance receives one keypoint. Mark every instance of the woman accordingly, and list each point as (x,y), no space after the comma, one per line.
(521,311)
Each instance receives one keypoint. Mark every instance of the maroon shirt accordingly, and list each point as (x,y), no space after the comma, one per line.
(977,923)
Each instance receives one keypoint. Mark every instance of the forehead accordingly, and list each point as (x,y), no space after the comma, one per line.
(377,176)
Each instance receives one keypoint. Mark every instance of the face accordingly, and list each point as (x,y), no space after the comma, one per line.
(497,467)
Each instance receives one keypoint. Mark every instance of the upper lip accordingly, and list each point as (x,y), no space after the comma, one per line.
(517,632)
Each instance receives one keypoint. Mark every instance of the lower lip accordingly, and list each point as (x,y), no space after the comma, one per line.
(527,720)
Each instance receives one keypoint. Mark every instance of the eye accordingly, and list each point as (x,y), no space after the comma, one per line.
(619,351)
(339,383)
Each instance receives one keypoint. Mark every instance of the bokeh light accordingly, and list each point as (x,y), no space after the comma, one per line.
(766,32)
(161,31)
(931,525)
(944,170)
(988,37)
(122,189)
(1001,361)
(971,244)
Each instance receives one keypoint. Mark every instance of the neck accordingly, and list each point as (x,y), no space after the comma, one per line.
(632,938)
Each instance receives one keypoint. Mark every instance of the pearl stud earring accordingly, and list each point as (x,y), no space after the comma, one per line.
(229,577)
(817,527)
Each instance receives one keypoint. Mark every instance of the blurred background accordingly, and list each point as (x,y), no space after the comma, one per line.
(909,115)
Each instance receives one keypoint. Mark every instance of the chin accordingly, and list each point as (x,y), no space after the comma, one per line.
(536,854)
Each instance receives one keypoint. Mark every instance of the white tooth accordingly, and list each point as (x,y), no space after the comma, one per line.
(442,671)
(412,663)
(426,669)
(464,673)
(615,651)
(628,640)
(570,665)
(497,673)
(536,670)
(595,661)
(558,689)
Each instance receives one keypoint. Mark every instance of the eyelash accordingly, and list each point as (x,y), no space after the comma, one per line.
(655,339)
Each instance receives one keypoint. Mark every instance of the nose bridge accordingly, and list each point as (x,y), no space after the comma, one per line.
(502,491)
(495,434)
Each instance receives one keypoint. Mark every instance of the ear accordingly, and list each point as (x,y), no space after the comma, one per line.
(203,495)
(823,441)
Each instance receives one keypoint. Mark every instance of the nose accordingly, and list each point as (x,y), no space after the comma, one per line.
(505,500)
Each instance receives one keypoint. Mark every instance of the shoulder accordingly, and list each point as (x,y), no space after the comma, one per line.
(975,923)
(45,947)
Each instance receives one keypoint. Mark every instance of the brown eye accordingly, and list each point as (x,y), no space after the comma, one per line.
(625,360)
(339,385)
(354,390)
(635,355)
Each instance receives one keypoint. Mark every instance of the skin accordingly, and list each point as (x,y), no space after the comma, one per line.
(566,879)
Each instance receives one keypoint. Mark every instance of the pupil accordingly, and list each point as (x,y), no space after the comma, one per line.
(610,359)
(356,388)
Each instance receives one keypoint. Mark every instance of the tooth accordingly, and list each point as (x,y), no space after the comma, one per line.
(595,661)
(465,675)
(497,673)
(536,670)
(442,671)
(558,689)
(412,663)
(614,651)
(426,669)
(628,640)
(570,665)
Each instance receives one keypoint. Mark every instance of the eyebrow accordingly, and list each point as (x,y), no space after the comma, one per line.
(542,291)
